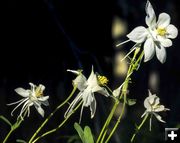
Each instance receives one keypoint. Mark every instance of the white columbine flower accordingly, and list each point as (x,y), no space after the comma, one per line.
(153,107)
(33,96)
(156,37)
(87,88)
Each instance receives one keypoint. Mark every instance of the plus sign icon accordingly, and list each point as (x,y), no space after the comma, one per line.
(172,135)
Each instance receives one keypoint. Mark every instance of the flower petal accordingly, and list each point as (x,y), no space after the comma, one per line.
(159,117)
(80,81)
(144,114)
(74,71)
(160,108)
(117,91)
(164,41)
(157,101)
(101,90)
(73,104)
(40,110)
(22,92)
(43,98)
(93,107)
(138,35)
(161,53)
(42,87)
(151,17)
(147,104)
(92,78)
(149,49)
(172,31)
(151,99)
(163,20)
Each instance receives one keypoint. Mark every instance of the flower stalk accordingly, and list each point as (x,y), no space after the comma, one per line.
(48,118)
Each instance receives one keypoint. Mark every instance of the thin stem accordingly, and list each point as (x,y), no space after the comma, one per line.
(132,67)
(103,137)
(139,127)
(118,121)
(108,120)
(14,126)
(59,126)
(48,118)
(7,136)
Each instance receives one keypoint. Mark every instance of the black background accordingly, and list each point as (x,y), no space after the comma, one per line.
(40,39)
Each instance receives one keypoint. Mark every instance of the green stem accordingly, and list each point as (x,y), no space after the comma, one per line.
(48,118)
(59,126)
(133,66)
(118,121)
(15,126)
(108,119)
(6,138)
(139,127)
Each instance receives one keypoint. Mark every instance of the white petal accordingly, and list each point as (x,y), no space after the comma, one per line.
(42,87)
(101,90)
(46,103)
(163,20)
(22,92)
(149,49)
(152,98)
(138,35)
(87,98)
(172,31)
(93,107)
(157,101)
(144,114)
(159,117)
(117,91)
(25,100)
(161,53)
(80,81)
(40,110)
(74,71)
(151,17)
(160,108)
(92,78)
(147,104)
(32,86)
(73,104)
(164,41)
(43,98)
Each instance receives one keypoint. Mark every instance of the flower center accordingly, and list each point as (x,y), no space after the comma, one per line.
(161,31)
(38,92)
(102,80)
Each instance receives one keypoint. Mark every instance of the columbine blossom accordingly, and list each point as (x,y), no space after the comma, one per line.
(33,96)
(156,37)
(87,88)
(153,107)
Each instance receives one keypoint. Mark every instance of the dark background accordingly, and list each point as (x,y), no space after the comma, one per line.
(40,39)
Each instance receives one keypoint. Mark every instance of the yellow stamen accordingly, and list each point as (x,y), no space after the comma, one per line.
(161,31)
(102,80)
(38,92)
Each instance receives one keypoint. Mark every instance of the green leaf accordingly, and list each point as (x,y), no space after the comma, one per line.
(88,135)
(80,131)
(131,102)
(20,141)
(5,120)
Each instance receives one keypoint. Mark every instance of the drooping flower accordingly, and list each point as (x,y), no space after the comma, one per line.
(156,37)
(87,88)
(153,107)
(33,96)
